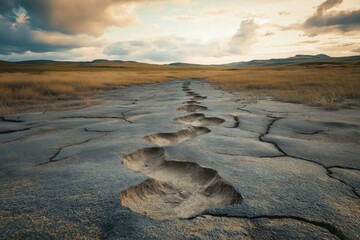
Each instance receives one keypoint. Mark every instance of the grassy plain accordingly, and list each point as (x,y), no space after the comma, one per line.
(43,87)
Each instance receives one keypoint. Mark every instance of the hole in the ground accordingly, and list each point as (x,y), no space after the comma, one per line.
(198,97)
(165,139)
(191,94)
(191,102)
(199,119)
(192,108)
(175,189)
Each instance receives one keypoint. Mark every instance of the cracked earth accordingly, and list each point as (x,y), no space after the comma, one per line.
(182,159)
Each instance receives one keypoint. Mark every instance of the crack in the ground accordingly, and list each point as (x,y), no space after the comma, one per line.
(244,110)
(100,117)
(261,137)
(272,111)
(4,119)
(123,114)
(346,168)
(97,131)
(330,174)
(12,131)
(328,171)
(52,158)
(312,133)
(237,155)
(227,154)
(329,227)
(275,156)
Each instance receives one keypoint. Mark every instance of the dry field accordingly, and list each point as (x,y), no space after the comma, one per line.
(43,87)
(328,86)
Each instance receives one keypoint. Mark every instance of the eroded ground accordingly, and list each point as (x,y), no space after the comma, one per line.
(178,160)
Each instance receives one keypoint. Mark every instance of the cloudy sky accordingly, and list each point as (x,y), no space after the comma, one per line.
(163,31)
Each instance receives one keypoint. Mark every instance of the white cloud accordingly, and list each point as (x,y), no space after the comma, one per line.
(174,48)
(161,49)
(245,37)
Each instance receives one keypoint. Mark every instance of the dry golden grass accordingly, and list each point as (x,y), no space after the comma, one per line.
(327,87)
(43,86)
(20,89)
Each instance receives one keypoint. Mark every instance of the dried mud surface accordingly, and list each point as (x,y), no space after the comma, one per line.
(181,160)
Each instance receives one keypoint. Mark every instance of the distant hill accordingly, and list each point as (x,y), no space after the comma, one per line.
(40,62)
(319,59)
(300,60)
(50,65)
(180,64)
(52,62)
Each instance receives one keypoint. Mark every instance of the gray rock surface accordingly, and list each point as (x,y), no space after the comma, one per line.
(266,170)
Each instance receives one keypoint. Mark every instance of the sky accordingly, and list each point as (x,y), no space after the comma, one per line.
(165,31)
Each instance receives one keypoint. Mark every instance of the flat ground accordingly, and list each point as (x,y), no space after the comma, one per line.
(181,159)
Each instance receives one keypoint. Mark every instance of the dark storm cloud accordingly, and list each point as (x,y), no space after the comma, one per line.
(52,25)
(19,38)
(328,21)
(7,6)
(74,17)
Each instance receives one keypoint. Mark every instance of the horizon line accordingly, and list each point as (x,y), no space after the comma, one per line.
(145,61)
